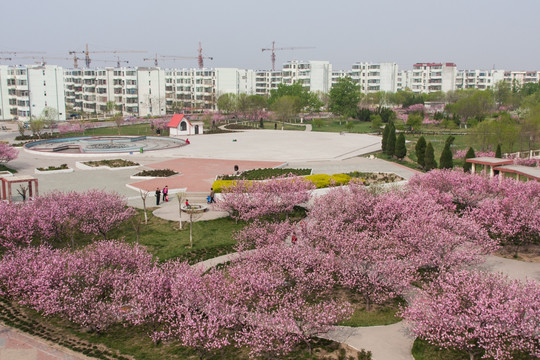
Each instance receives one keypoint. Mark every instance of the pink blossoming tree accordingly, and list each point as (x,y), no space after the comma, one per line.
(486,315)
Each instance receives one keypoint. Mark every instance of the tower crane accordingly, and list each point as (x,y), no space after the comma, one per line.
(200,57)
(21,52)
(157,57)
(274,49)
(87,53)
(44,59)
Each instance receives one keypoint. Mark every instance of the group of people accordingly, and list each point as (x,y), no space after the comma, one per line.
(165,193)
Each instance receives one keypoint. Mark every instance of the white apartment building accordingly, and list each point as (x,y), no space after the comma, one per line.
(519,78)
(266,81)
(314,76)
(26,90)
(375,77)
(193,89)
(151,85)
(433,77)
(478,79)
(134,91)
(235,81)
(404,80)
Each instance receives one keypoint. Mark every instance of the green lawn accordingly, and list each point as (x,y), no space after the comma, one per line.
(5,168)
(380,315)
(422,350)
(165,241)
(135,129)
(337,125)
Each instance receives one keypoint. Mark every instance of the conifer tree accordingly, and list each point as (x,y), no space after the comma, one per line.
(429,158)
(446,161)
(401,150)
(469,155)
(498,152)
(385,137)
(420,149)
(391,144)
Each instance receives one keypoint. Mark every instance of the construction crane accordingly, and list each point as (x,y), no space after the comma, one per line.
(199,58)
(5,58)
(44,58)
(274,49)
(87,53)
(21,52)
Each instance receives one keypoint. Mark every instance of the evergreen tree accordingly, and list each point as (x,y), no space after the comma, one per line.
(446,161)
(420,149)
(469,155)
(401,150)
(429,158)
(385,137)
(498,152)
(391,144)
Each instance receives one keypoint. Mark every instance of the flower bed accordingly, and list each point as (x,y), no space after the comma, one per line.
(265,173)
(156,173)
(53,169)
(113,163)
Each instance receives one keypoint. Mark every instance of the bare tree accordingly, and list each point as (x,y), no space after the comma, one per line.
(119,120)
(22,191)
(180,196)
(144,195)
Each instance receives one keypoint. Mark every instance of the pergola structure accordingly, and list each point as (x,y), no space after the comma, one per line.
(7,183)
(528,172)
(490,162)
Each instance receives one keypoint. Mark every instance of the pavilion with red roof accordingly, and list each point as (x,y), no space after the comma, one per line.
(180,125)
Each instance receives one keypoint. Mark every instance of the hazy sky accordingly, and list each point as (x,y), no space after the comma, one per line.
(474,34)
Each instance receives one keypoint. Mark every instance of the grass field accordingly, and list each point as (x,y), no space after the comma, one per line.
(337,125)
(422,350)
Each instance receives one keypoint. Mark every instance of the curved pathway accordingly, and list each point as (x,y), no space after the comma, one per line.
(17,345)
(394,341)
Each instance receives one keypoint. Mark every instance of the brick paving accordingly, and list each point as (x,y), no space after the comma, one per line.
(198,175)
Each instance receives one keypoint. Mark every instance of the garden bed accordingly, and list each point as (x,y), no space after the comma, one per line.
(265,173)
(151,174)
(54,169)
(112,164)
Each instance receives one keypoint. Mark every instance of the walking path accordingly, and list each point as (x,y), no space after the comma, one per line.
(16,345)
(394,341)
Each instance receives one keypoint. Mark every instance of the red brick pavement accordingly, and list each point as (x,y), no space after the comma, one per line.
(198,175)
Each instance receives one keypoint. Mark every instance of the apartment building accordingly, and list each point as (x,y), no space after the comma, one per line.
(235,81)
(314,76)
(519,78)
(266,81)
(134,91)
(433,77)
(478,79)
(26,90)
(375,77)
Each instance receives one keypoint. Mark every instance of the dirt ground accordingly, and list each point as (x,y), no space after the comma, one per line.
(529,253)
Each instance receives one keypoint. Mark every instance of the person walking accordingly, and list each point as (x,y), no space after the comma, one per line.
(158,195)
(166,193)
(211,196)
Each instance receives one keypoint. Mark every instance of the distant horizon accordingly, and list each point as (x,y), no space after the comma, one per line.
(481,34)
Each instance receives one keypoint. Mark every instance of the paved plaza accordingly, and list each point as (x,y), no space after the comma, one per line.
(210,155)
